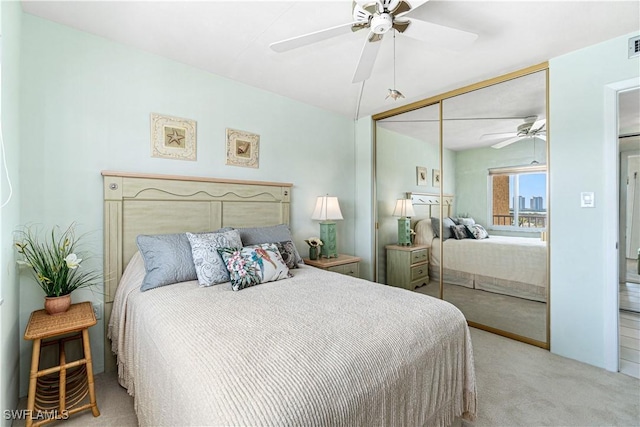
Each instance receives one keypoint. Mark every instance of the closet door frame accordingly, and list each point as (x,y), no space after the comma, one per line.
(438,99)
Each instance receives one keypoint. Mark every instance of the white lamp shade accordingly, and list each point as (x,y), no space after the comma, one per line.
(327,208)
(404,207)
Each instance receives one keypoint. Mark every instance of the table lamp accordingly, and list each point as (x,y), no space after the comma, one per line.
(327,211)
(404,209)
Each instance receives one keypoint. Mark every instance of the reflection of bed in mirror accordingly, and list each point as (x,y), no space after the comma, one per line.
(514,266)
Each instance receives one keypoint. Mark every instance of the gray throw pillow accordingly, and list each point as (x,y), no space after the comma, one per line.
(287,251)
(167,259)
(272,234)
(447,223)
(210,267)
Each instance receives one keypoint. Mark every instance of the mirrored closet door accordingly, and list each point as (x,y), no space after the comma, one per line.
(407,160)
(483,212)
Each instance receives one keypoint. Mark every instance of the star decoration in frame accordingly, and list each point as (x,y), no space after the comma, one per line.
(173,137)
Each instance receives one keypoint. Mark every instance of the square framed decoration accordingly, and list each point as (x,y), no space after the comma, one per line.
(173,137)
(436,177)
(243,148)
(421,175)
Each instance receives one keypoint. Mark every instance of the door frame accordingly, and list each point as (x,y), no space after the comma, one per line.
(611,205)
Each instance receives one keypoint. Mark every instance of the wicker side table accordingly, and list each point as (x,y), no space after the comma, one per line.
(60,390)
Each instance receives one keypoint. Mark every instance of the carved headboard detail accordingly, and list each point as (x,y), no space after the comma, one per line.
(427,205)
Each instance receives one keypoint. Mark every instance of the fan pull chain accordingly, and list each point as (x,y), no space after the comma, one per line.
(394,93)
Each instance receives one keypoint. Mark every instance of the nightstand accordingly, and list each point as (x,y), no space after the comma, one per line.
(343,264)
(57,392)
(407,266)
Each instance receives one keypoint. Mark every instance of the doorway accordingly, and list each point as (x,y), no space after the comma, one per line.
(629,231)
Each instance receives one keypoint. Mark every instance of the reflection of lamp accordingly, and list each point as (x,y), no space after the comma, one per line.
(404,209)
(327,210)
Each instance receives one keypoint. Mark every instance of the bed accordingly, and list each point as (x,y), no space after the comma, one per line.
(318,348)
(514,266)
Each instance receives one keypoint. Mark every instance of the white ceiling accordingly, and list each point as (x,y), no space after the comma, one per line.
(495,109)
(231,39)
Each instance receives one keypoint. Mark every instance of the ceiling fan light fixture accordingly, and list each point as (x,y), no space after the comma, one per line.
(382,23)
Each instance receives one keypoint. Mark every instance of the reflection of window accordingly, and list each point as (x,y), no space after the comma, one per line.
(518,197)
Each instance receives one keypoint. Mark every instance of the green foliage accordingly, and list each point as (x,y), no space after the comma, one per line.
(53,260)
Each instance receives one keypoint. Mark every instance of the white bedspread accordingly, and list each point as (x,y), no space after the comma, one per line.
(318,349)
(518,259)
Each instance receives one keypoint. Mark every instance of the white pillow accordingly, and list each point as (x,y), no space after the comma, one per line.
(424,232)
(466,221)
(210,268)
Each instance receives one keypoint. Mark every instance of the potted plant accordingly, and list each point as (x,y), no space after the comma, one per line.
(55,265)
(314,247)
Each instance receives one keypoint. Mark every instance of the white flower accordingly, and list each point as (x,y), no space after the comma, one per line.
(314,241)
(73,261)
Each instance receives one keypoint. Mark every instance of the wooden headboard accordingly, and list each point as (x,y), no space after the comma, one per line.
(427,205)
(137,204)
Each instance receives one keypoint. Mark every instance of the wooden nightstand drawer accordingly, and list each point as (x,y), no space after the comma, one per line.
(419,272)
(407,266)
(343,264)
(348,269)
(419,255)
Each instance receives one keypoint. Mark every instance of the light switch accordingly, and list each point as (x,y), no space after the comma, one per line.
(587,199)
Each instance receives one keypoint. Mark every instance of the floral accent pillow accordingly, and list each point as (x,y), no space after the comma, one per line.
(288,252)
(210,268)
(477,231)
(459,232)
(252,265)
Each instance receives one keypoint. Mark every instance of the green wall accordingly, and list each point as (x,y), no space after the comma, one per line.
(85,108)
(583,157)
(10,332)
(397,158)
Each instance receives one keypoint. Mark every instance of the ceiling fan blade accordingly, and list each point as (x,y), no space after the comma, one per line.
(306,39)
(506,142)
(414,4)
(542,137)
(447,37)
(400,26)
(401,7)
(537,126)
(367,59)
(493,136)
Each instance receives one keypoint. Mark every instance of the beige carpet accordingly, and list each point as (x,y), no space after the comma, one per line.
(518,385)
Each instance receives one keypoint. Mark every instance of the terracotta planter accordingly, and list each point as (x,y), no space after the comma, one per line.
(57,305)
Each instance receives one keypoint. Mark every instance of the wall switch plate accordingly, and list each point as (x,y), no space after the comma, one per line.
(97,309)
(587,199)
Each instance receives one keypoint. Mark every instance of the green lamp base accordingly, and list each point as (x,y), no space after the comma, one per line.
(329,248)
(404,231)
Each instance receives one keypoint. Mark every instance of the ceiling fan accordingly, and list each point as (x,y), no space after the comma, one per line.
(531,128)
(381,16)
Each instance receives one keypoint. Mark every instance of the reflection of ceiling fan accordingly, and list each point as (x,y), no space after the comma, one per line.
(531,128)
(380,16)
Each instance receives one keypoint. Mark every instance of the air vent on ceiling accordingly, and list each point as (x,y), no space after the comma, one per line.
(634,46)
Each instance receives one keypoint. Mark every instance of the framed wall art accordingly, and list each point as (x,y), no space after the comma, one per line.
(421,175)
(436,177)
(173,137)
(243,148)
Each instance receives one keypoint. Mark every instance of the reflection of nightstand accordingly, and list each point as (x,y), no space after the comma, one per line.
(407,266)
(344,264)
